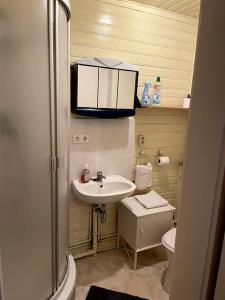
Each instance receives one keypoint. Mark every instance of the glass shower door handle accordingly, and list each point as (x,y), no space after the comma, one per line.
(60,161)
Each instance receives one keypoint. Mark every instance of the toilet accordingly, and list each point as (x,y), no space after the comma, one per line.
(168,241)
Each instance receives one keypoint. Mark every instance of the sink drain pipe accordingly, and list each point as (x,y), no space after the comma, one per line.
(96,209)
(95,228)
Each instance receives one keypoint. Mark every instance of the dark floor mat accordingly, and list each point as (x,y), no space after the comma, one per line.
(98,293)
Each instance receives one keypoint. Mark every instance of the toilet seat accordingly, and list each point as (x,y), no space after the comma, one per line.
(169,238)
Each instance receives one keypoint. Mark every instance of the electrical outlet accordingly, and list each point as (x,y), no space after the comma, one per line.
(84,139)
(80,139)
(76,139)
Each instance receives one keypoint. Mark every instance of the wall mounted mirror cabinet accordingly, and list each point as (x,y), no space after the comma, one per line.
(103,88)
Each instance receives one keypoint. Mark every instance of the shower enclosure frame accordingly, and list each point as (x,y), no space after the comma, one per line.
(57,158)
(52,39)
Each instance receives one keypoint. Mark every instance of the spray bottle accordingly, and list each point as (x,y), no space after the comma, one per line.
(156,92)
(145,99)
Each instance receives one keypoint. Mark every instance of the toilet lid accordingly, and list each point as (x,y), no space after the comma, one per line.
(169,239)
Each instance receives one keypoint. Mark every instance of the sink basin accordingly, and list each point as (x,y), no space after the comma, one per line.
(112,189)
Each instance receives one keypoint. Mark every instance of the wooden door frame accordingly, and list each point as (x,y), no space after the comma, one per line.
(201,216)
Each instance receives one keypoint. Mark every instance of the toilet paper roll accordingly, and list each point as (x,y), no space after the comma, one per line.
(163,160)
(186,102)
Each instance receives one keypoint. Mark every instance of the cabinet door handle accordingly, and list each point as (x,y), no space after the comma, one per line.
(142,231)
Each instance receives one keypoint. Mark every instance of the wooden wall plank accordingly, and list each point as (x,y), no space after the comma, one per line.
(159,43)
(179,6)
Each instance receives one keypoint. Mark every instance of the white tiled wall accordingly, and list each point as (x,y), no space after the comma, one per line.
(110,148)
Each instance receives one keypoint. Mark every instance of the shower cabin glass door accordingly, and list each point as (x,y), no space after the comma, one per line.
(34,116)
(62,136)
(25,152)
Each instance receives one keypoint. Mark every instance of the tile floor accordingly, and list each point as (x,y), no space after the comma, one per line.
(112,270)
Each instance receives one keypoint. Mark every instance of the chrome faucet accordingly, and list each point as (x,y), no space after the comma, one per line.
(99,177)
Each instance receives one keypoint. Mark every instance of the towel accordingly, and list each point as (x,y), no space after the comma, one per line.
(151,200)
(143,176)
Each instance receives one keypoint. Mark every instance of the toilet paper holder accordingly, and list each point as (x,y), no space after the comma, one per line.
(162,160)
(142,155)
(159,153)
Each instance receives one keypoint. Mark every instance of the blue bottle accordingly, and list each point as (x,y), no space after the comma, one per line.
(145,99)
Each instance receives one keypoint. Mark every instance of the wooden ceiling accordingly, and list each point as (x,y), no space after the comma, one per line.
(185,7)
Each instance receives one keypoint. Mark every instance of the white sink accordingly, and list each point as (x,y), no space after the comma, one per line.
(112,189)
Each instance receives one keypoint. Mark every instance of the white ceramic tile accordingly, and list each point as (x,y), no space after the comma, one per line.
(119,164)
(111,146)
(116,136)
(113,136)
(77,163)
(90,127)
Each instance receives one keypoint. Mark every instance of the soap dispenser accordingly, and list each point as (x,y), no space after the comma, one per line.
(85,174)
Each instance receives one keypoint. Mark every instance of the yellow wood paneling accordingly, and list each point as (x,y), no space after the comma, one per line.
(163,131)
(160,43)
(186,7)
(135,7)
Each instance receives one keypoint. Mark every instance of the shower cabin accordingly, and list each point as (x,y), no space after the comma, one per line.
(34,129)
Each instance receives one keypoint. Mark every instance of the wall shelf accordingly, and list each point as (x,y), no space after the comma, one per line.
(164,108)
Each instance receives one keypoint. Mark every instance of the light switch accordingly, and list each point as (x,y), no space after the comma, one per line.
(141,140)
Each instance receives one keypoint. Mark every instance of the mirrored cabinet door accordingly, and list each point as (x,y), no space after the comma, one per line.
(100,91)
(126,89)
(107,92)
(87,86)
